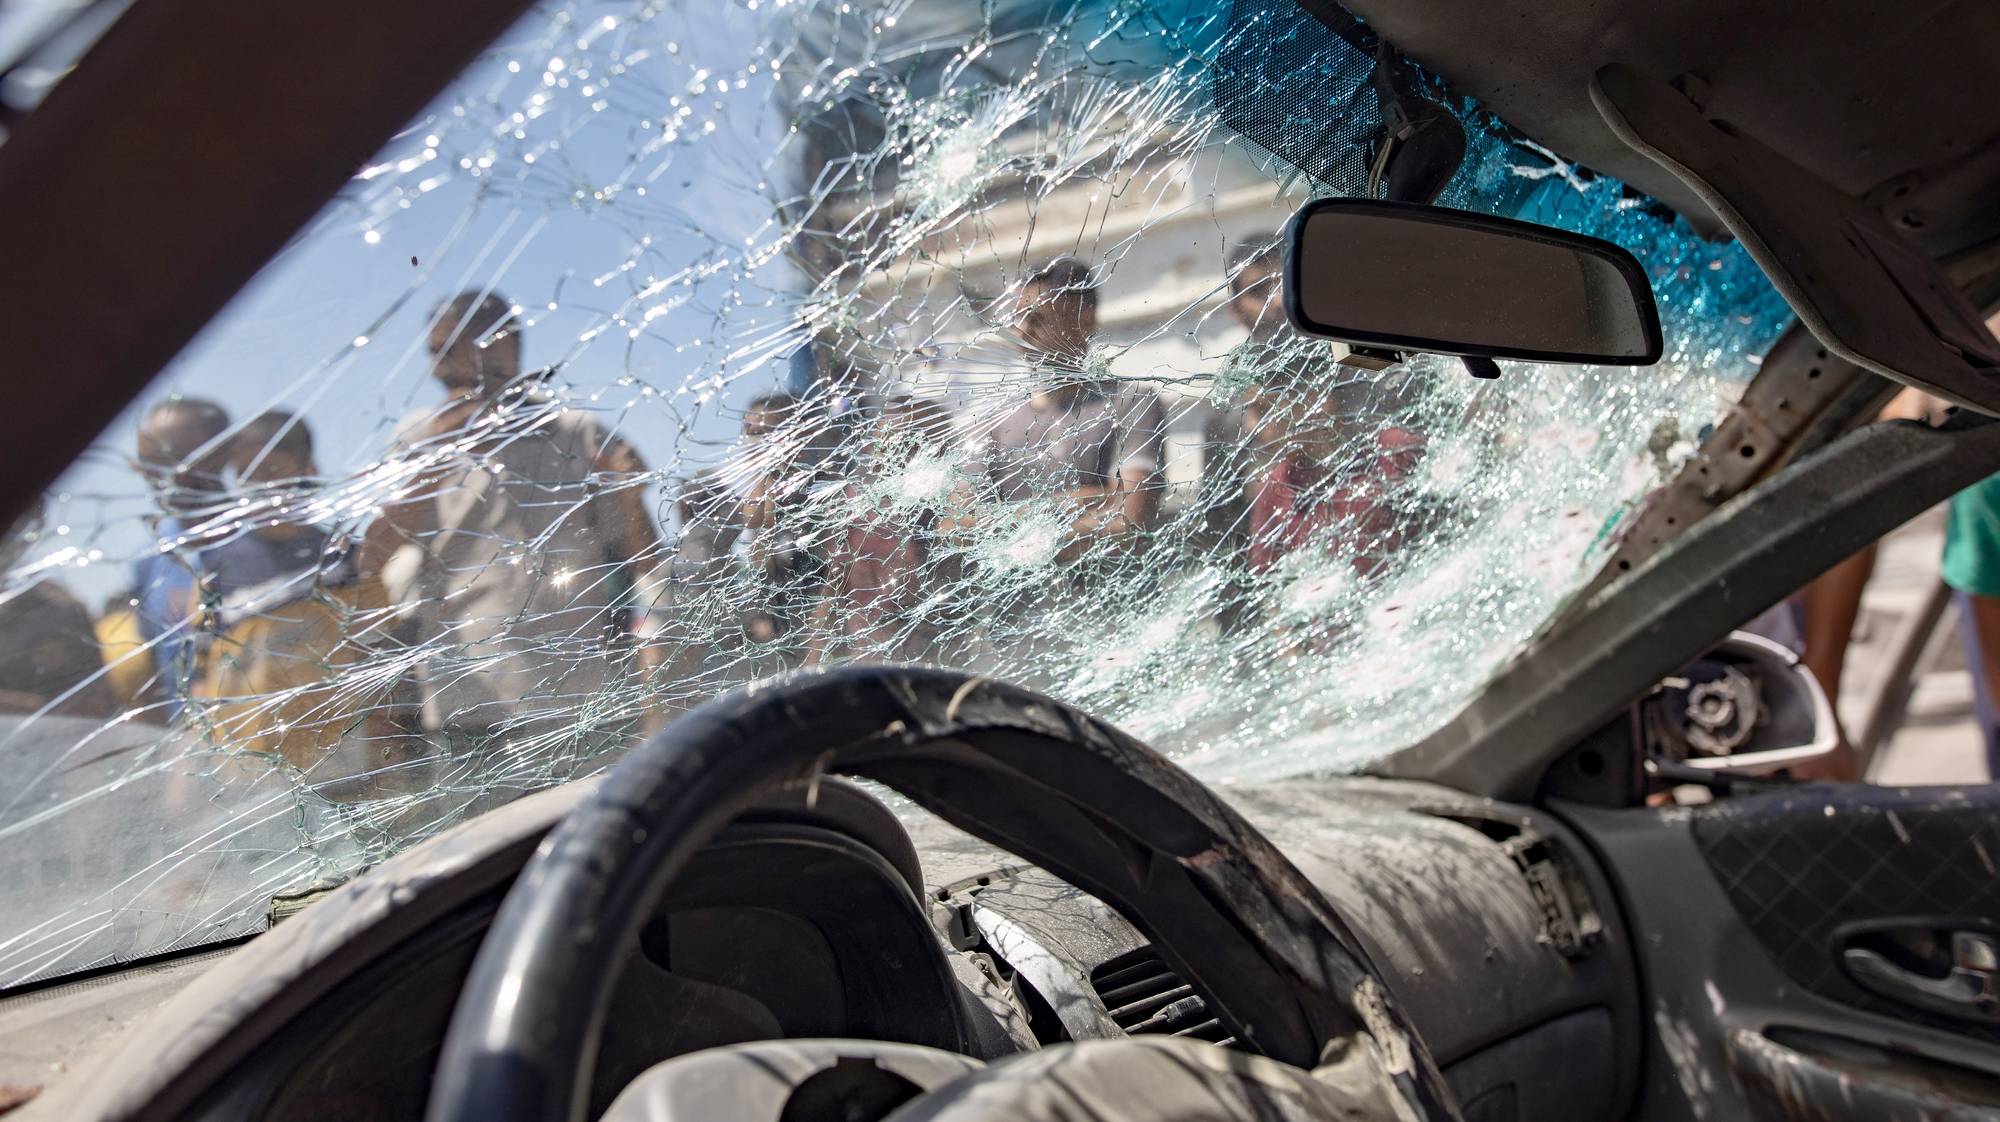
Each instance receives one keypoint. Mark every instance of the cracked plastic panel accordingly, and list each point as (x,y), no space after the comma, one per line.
(682,344)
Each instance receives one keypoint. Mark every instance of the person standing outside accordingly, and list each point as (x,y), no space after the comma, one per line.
(1322,445)
(890,567)
(691,606)
(1230,459)
(1077,437)
(508,555)
(1320,483)
(291,626)
(271,456)
(52,662)
(183,450)
(785,458)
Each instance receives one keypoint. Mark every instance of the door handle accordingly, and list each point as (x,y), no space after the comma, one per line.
(1970,989)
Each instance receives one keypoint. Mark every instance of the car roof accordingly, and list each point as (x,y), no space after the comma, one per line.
(1896,100)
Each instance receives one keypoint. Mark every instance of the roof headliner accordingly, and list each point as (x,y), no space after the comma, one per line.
(1859,92)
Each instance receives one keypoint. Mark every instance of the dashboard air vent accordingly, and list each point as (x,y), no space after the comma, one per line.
(1145,996)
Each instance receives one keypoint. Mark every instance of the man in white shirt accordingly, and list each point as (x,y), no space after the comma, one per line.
(515,549)
(1078,437)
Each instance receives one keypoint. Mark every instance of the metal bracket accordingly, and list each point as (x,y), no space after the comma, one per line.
(1802,397)
(1420,144)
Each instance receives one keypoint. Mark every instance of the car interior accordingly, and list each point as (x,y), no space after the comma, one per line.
(1601,887)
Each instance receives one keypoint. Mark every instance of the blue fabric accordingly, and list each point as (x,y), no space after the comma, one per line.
(164,585)
(253,560)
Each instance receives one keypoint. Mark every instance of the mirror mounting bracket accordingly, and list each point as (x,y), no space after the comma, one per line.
(1376,359)
(1372,359)
(1420,143)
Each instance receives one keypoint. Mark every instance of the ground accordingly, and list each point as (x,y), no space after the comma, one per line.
(1938,742)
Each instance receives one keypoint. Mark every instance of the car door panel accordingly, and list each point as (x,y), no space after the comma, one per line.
(1742,908)
(1820,875)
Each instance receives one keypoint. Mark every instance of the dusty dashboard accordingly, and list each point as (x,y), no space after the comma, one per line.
(837,920)
(1490,924)
(789,925)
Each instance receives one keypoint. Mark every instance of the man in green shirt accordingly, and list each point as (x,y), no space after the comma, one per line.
(1972,568)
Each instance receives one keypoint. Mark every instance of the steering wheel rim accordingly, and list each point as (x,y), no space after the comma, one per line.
(1070,793)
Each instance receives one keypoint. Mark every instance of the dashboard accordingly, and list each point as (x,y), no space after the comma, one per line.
(1488,921)
(830,918)
(791,925)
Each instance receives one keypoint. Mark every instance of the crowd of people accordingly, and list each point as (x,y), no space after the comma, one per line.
(514,576)
(511,596)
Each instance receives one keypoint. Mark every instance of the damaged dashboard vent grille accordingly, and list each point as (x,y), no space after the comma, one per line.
(1145,996)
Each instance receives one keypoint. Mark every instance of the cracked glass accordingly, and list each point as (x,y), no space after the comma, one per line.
(683,344)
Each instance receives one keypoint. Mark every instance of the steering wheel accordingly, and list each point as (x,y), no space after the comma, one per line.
(1069,793)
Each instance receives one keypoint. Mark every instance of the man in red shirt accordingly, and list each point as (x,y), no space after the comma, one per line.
(1327,451)
(1323,481)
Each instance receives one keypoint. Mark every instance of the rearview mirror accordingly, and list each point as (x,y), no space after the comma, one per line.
(1405,277)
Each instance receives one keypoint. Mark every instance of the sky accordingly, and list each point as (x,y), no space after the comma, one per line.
(332,328)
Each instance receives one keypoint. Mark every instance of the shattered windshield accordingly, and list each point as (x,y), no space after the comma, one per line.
(687,342)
